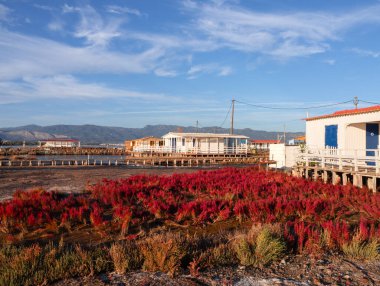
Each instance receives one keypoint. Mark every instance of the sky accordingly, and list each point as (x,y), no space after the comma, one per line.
(132,63)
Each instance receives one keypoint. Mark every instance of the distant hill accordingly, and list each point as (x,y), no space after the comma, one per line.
(103,134)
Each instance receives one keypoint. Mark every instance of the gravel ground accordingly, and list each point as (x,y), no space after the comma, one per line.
(293,270)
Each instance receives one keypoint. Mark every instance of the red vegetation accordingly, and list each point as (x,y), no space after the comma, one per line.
(307,210)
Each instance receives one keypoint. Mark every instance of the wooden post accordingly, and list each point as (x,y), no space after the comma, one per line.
(345,179)
(356,167)
(374,184)
(325,177)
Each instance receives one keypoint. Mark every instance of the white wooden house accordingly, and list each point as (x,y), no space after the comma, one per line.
(353,129)
(206,143)
(345,138)
(199,143)
(60,143)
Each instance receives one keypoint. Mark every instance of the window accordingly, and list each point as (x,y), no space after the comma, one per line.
(183,142)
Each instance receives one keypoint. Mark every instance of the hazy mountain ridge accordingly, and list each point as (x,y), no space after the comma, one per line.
(108,134)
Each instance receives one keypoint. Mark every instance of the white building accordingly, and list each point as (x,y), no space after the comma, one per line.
(262,144)
(205,143)
(60,142)
(354,129)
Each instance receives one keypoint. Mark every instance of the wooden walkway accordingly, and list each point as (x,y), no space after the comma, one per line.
(340,167)
(178,161)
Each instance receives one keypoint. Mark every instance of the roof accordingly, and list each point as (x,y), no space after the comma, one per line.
(60,140)
(346,112)
(265,141)
(300,138)
(144,138)
(204,135)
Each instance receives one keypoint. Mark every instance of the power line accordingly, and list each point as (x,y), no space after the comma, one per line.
(229,110)
(369,102)
(292,108)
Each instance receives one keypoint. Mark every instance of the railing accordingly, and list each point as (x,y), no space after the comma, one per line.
(341,158)
(191,150)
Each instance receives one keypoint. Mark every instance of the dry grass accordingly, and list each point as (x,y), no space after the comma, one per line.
(362,250)
(125,256)
(259,247)
(163,252)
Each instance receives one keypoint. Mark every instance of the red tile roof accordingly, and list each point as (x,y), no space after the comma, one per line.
(346,112)
(265,141)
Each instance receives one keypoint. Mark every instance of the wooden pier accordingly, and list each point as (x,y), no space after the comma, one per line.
(341,167)
(166,161)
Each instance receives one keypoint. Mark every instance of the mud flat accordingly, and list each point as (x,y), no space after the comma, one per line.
(70,179)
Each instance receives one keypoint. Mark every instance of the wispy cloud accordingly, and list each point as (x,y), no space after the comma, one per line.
(56,25)
(120,10)
(283,35)
(368,53)
(33,56)
(4,12)
(44,7)
(92,26)
(66,87)
(330,62)
(197,70)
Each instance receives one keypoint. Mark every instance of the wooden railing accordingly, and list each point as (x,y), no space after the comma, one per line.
(368,159)
(191,150)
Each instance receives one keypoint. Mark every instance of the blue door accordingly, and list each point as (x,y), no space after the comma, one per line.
(372,139)
(331,136)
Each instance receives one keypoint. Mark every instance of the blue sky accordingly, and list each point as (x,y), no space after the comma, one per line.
(132,63)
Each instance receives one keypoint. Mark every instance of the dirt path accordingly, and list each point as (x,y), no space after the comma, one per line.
(69,179)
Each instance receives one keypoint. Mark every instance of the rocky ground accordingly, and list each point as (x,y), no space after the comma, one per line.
(69,179)
(292,270)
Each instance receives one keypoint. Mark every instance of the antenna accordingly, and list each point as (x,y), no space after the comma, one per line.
(356,102)
(232,116)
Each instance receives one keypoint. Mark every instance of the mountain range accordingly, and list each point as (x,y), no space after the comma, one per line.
(95,134)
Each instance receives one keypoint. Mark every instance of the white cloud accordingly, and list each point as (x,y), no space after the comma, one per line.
(92,26)
(368,53)
(56,26)
(197,70)
(330,62)
(43,7)
(165,73)
(282,35)
(65,87)
(22,56)
(4,12)
(122,10)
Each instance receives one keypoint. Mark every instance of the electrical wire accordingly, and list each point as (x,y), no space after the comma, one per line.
(292,108)
(369,102)
(229,110)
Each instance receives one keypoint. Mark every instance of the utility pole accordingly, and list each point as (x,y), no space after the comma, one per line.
(197,126)
(356,102)
(284,134)
(232,116)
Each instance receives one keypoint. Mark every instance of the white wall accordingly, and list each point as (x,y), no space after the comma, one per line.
(285,156)
(348,138)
